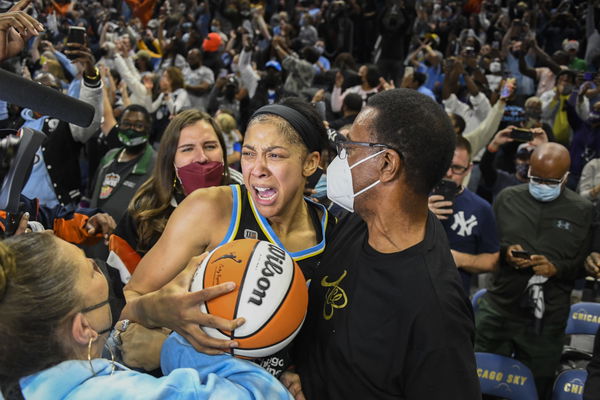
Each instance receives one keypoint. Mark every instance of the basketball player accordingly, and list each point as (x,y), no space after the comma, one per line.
(281,149)
(388,317)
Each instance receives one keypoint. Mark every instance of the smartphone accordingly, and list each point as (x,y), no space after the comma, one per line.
(470,51)
(521,135)
(521,254)
(508,85)
(76,35)
(222,73)
(588,76)
(446,188)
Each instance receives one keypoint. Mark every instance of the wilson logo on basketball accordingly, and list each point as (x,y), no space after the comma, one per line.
(272,265)
(271,295)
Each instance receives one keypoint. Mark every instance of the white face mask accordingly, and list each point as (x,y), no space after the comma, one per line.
(495,67)
(339,182)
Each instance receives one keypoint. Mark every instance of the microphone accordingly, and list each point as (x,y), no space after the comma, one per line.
(44,100)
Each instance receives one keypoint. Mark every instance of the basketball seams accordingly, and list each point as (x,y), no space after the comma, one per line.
(241,285)
(281,303)
(204,265)
(289,339)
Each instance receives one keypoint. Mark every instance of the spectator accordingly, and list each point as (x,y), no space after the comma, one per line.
(232,137)
(480,105)
(172,99)
(300,70)
(123,170)
(66,295)
(369,76)
(554,109)
(198,80)
(212,52)
(351,106)
(416,81)
(525,310)
(585,143)
(493,180)
(269,89)
(55,177)
(572,48)
(468,221)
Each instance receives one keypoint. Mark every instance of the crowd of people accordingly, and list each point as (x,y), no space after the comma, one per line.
(406,153)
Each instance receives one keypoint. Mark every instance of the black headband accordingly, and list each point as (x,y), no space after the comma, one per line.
(298,121)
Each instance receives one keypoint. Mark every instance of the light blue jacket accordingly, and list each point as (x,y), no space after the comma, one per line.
(189,375)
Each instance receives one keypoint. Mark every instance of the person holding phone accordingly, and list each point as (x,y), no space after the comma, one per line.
(494,180)
(526,307)
(468,220)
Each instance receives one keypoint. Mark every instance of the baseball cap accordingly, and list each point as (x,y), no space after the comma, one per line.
(273,64)
(212,42)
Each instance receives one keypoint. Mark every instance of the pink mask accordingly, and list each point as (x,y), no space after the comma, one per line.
(196,175)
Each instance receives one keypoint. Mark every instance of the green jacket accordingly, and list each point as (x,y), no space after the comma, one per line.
(118,200)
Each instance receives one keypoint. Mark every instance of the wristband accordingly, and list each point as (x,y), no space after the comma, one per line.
(92,77)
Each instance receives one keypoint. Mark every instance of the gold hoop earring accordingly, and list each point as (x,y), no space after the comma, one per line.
(90,355)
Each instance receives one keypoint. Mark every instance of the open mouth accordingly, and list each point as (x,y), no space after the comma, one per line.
(265,195)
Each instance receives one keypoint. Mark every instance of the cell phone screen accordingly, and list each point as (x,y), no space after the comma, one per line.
(76,35)
(521,254)
(521,135)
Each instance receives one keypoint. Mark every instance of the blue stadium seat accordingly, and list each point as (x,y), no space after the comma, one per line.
(569,385)
(584,319)
(477,298)
(505,377)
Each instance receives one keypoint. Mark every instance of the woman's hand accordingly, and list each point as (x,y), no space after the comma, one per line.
(175,307)
(16,28)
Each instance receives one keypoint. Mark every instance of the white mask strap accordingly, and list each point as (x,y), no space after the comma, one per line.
(367,188)
(367,158)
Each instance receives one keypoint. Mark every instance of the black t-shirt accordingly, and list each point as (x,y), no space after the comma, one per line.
(387,325)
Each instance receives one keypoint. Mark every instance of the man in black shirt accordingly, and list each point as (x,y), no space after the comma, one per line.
(387,315)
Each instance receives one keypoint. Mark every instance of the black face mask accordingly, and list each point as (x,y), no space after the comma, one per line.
(272,80)
(195,66)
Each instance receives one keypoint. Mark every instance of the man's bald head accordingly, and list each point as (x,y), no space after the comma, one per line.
(550,161)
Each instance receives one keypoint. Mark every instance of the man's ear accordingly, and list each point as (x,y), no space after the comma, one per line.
(470,169)
(311,162)
(81,330)
(391,166)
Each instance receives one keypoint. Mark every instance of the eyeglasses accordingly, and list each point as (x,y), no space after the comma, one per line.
(341,145)
(458,169)
(95,307)
(546,181)
(138,126)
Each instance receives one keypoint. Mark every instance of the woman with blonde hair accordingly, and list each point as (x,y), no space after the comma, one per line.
(55,321)
(231,134)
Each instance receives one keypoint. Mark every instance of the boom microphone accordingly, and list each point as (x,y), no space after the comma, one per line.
(44,100)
